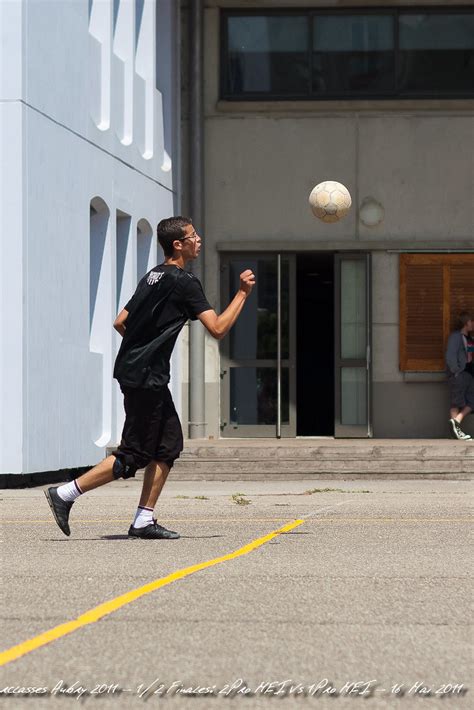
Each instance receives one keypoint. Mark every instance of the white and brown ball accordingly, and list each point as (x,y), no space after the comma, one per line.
(330,201)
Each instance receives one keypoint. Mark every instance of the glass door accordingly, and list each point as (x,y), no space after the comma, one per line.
(353,346)
(258,379)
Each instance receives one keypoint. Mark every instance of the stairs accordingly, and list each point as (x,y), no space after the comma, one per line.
(259,459)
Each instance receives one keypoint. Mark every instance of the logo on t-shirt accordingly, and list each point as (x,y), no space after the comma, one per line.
(154,277)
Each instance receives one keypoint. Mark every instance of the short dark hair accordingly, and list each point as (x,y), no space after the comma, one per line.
(464,318)
(170,229)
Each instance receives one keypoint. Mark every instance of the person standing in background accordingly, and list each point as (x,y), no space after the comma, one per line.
(459,362)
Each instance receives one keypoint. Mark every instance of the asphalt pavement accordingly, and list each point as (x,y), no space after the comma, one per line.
(354,596)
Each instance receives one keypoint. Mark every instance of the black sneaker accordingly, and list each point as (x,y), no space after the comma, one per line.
(60,508)
(153,532)
(452,429)
(457,432)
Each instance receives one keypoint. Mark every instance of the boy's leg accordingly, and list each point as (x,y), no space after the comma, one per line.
(455,423)
(131,454)
(154,479)
(168,444)
(144,524)
(461,395)
(97,476)
(61,498)
(463,413)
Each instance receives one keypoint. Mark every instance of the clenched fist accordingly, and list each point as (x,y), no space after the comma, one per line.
(247,281)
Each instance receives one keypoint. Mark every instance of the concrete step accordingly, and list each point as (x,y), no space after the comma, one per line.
(323,466)
(256,459)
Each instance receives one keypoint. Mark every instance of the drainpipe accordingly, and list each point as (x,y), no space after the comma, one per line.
(196,202)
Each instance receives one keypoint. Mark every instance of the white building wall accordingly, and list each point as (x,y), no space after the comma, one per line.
(81,119)
(11,285)
(11,236)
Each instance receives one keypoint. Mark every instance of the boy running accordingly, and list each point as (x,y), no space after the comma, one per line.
(166,297)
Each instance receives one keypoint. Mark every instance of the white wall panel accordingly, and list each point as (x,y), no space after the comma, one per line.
(11,60)
(12,280)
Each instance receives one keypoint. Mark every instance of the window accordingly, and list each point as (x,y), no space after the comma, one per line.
(347,54)
(352,54)
(268,55)
(436,53)
(434,289)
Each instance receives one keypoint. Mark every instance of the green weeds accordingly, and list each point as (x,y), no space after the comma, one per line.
(239,499)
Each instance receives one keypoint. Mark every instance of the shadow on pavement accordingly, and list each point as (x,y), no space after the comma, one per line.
(104,538)
(181,537)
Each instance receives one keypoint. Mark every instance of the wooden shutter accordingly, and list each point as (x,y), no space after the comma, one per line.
(434,289)
(461,289)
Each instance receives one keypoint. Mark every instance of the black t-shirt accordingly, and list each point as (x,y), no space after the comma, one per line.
(165,299)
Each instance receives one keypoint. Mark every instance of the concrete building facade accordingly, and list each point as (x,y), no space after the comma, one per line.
(409,165)
(89,95)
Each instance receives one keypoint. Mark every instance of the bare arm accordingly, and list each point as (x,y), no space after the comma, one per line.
(219,325)
(119,322)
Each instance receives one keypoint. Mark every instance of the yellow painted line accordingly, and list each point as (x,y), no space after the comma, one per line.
(98,612)
(390,520)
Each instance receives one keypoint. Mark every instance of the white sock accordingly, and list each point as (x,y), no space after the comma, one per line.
(69,492)
(143,517)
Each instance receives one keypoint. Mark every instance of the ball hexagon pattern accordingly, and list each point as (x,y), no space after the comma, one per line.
(330,201)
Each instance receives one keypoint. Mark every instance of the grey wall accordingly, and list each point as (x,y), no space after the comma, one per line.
(415,158)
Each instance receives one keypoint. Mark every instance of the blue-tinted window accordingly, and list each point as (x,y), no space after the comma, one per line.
(268,55)
(436,53)
(318,54)
(353,54)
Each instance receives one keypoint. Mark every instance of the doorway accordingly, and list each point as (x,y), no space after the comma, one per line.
(298,360)
(315,344)
(258,357)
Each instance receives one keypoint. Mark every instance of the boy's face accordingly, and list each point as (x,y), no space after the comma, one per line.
(469,325)
(190,243)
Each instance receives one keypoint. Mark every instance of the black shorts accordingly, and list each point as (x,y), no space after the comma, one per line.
(152,430)
(461,390)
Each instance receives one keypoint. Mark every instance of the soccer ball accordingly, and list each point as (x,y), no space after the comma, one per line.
(330,201)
